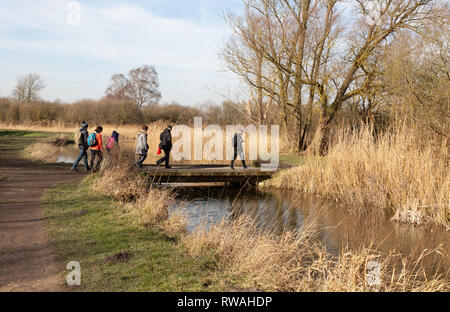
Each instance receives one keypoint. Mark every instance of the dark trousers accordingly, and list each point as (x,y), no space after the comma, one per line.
(165,158)
(82,155)
(141,160)
(96,154)
(241,154)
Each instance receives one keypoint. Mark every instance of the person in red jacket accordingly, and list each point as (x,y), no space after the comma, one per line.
(97,149)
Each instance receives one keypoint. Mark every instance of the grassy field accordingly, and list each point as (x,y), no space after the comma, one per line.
(14,144)
(84,228)
(13,141)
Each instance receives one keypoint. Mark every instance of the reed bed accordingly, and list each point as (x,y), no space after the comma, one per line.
(398,172)
(295,261)
(42,151)
(251,257)
(128,137)
(47,149)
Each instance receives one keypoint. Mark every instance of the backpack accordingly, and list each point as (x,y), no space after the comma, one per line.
(111,143)
(78,138)
(92,140)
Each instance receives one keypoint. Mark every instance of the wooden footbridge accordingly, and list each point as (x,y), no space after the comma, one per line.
(207,174)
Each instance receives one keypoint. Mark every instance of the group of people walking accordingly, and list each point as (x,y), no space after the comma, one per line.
(93,142)
(165,145)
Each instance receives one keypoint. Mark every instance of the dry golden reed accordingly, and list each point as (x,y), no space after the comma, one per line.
(398,172)
(145,203)
(41,151)
(47,149)
(295,261)
(242,251)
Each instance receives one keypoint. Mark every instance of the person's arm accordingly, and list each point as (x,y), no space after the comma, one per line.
(84,137)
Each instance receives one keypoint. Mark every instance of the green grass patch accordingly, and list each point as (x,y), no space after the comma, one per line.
(158,263)
(21,133)
(14,142)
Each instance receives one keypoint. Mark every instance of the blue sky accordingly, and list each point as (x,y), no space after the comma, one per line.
(180,38)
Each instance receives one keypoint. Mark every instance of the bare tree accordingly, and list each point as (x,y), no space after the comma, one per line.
(144,85)
(314,61)
(141,85)
(417,79)
(119,87)
(277,48)
(357,75)
(28,88)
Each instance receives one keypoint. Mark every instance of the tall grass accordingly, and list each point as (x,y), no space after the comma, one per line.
(252,257)
(295,261)
(48,148)
(398,172)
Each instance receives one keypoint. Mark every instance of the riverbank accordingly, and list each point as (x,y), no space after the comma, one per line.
(398,173)
(115,213)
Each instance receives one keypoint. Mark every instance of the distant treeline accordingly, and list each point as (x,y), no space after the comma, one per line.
(114,111)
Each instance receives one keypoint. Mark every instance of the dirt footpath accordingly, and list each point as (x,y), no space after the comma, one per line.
(27,261)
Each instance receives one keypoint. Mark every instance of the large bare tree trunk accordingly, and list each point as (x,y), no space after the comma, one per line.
(324,130)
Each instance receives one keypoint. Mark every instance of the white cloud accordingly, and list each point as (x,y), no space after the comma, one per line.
(124,36)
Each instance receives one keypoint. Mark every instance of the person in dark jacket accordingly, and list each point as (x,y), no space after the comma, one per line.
(113,141)
(166,146)
(238,149)
(83,146)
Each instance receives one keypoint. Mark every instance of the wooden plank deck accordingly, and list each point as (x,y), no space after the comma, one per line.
(207,173)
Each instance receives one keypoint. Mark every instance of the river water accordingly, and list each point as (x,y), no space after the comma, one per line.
(336,225)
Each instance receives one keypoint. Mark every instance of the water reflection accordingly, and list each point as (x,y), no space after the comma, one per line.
(67,154)
(335,226)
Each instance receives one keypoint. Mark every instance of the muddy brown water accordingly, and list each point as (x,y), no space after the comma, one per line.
(337,227)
